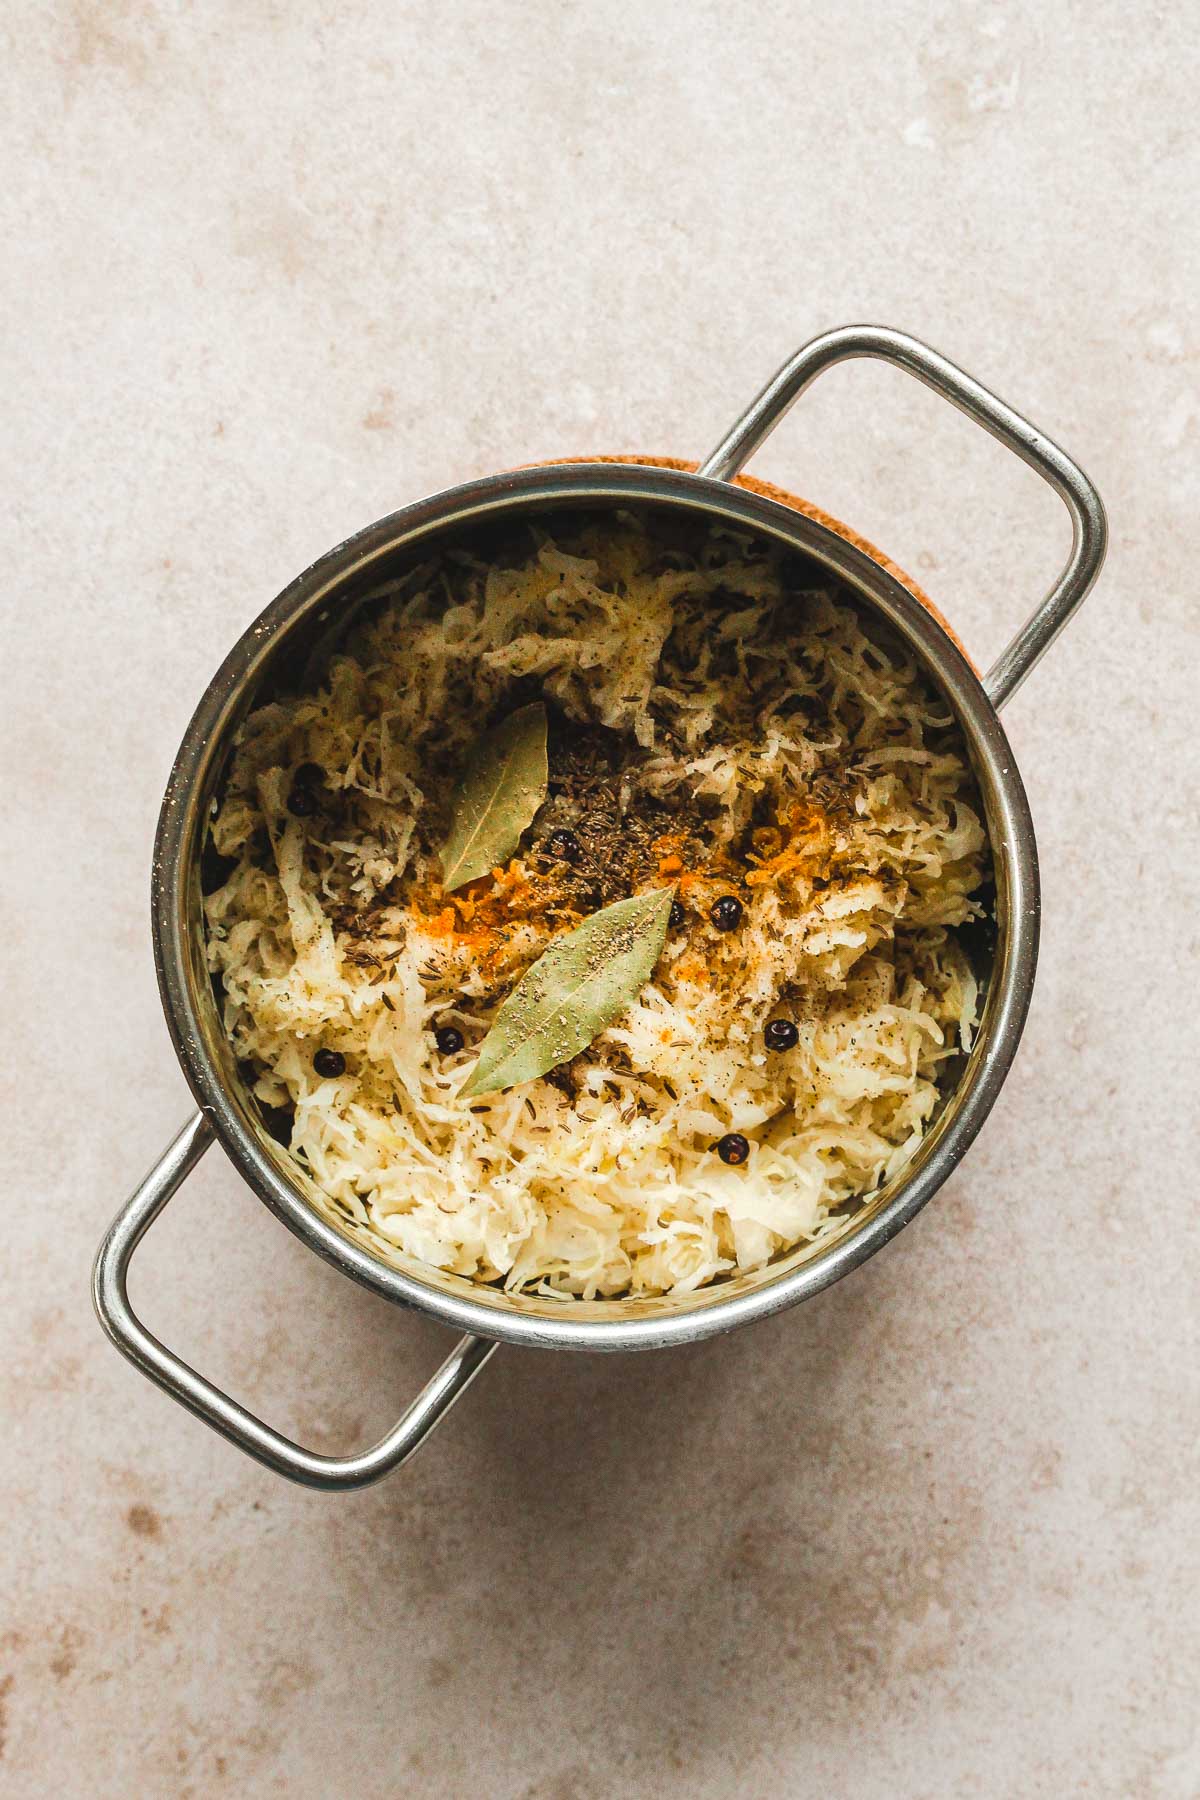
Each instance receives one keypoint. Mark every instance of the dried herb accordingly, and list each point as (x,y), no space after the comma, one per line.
(501,788)
(583,982)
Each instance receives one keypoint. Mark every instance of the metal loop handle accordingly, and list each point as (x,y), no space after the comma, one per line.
(208,1402)
(1090,529)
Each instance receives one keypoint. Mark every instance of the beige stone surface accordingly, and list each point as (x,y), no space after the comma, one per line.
(270,271)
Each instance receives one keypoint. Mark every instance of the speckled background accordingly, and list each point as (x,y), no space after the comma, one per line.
(270,271)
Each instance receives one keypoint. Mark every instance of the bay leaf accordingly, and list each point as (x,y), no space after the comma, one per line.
(501,787)
(585,980)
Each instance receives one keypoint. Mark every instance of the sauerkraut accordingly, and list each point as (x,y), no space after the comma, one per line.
(721,722)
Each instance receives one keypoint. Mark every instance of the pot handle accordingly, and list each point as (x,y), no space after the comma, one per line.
(208,1402)
(979,403)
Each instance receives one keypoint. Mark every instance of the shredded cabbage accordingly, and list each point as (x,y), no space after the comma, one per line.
(787,755)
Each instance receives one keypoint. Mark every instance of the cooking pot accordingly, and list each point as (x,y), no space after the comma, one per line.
(269,654)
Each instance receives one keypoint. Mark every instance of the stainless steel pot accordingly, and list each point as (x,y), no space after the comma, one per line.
(489,1317)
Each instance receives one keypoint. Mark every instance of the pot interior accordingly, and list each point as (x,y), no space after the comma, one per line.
(281,651)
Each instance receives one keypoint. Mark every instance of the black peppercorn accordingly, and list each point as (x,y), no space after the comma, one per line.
(564,845)
(676,916)
(726,913)
(733,1148)
(449,1039)
(329,1062)
(302,801)
(781,1034)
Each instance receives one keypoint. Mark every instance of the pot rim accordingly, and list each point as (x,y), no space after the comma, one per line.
(624,1324)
